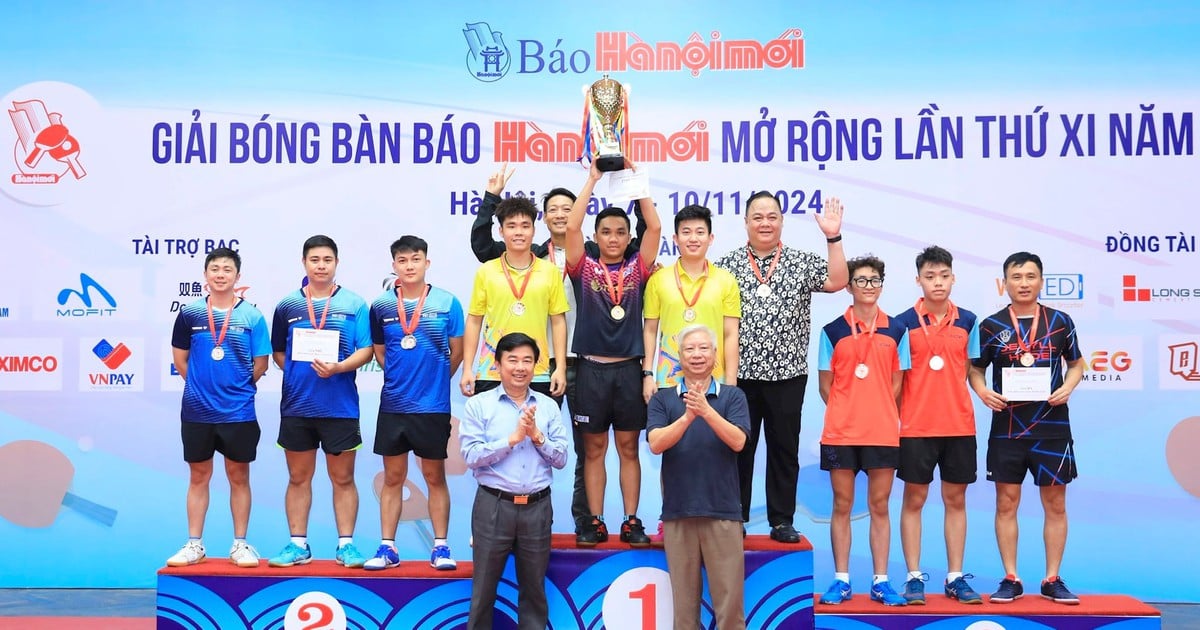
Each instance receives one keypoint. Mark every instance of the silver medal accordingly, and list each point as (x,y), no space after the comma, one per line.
(408,342)
(617,312)
(763,291)
(518,308)
(936,363)
(218,353)
(689,314)
(861,370)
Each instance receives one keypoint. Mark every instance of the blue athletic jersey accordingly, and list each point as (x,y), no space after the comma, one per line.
(416,380)
(305,394)
(220,391)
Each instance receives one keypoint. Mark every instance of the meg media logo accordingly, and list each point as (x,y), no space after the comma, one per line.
(488,59)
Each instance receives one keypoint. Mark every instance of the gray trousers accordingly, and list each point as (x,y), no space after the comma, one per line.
(715,545)
(499,528)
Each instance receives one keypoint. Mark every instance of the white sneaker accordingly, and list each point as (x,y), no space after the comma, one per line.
(243,555)
(191,553)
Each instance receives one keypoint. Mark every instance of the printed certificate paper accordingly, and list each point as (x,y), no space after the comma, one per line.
(310,344)
(1026,383)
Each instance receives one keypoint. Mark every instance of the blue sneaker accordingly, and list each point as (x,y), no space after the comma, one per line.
(348,556)
(385,558)
(914,590)
(961,591)
(1010,590)
(884,594)
(1054,589)
(441,560)
(838,592)
(291,556)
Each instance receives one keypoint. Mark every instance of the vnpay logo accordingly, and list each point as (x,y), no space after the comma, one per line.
(1055,286)
(1185,361)
(1131,291)
(45,150)
(84,295)
(488,59)
(112,357)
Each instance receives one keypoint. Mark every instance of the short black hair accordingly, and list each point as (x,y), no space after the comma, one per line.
(224,252)
(934,255)
(611,211)
(870,260)
(554,192)
(763,194)
(518,206)
(692,212)
(319,240)
(409,243)
(515,340)
(1020,258)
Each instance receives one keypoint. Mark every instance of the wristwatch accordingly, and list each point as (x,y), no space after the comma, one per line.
(646,373)
(537,442)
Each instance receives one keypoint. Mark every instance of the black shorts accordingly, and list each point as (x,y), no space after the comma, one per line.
(237,441)
(858,458)
(425,434)
(334,435)
(541,388)
(609,395)
(954,457)
(1052,462)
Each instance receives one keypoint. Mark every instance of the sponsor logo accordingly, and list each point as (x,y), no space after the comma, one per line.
(118,371)
(1055,287)
(3,312)
(85,296)
(1117,364)
(46,151)
(1184,361)
(30,364)
(1132,291)
(522,141)
(196,290)
(488,59)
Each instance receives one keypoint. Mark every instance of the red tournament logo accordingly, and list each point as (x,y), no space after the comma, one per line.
(45,150)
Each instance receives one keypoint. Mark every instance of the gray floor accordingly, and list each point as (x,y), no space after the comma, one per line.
(56,602)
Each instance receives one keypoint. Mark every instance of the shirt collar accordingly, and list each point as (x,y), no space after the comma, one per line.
(714,388)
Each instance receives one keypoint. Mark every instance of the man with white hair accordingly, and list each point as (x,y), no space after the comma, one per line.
(701,420)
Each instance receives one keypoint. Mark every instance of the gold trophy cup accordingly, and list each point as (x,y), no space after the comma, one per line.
(605,109)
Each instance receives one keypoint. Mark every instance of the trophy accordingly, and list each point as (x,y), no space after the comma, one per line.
(605,114)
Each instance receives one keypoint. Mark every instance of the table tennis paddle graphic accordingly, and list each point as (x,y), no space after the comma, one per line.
(34,482)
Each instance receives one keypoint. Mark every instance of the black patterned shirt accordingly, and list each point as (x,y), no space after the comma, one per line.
(773,332)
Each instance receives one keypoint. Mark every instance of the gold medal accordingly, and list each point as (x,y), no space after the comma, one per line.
(617,313)
(861,370)
(518,308)
(689,314)
(1027,359)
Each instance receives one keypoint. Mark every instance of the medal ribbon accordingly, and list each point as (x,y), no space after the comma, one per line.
(616,289)
(312,315)
(947,321)
(512,285)
(699,286)
(550,255)
(1021,343)
(854,324)
(754,264)
(212,324)
(409,326)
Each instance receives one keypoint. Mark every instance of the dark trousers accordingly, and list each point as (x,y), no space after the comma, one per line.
(774,406)
(580,512)
(499,528)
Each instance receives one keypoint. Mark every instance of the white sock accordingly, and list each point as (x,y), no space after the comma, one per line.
(300,541)
(196,540)
(953,575)
(439,542)
(845,577)
(916,575)
(344,540)
(880,578)
(388,542)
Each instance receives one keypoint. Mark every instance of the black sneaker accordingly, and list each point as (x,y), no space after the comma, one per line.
(593,533)
(1010,590)
(785,533)
(1054,589)
(634,533)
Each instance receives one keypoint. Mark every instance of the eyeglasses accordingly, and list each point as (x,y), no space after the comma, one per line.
(863,282)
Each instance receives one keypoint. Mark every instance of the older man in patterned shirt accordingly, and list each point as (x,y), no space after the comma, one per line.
(776,284)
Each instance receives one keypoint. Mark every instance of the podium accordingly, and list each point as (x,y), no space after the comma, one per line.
(609,586)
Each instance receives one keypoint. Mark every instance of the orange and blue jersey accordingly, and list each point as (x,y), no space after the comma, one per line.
(862,411)
(936,403)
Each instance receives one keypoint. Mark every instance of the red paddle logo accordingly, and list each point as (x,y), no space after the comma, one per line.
(45,151)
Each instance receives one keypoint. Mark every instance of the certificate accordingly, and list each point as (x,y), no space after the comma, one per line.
(1026,383)
(627,185)
(310,344)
